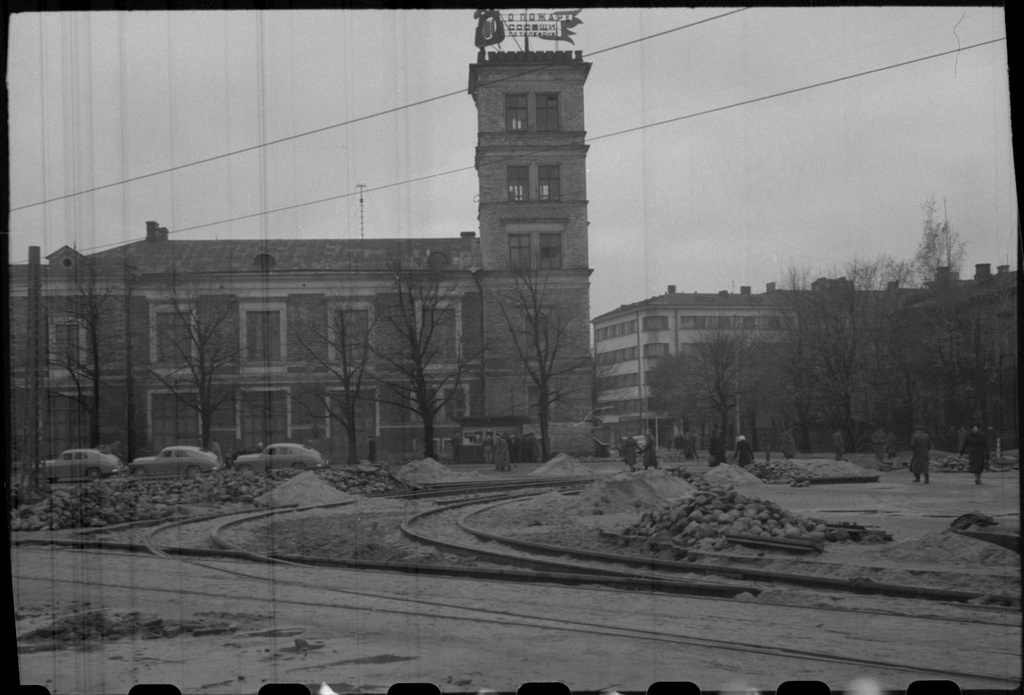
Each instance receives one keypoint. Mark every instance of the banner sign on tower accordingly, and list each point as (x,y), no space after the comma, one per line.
(549,25)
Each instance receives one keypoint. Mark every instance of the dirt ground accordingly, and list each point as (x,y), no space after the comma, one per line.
(221,627)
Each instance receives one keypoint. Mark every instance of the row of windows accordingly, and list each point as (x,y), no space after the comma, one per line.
(618,381)
(549,251)
(517,112)
(549,186)
(613,356)
(629,405)
(614,331)
(661,323)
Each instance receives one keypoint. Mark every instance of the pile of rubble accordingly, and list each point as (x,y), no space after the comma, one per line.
(799,472)
(640,490)
(121,500)
(951,462)
(94,625)
(702,522)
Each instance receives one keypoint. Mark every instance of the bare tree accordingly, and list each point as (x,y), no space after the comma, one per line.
(424,360)
(85,341)
(196,349)
(940,244)
(342,347)
(544,326)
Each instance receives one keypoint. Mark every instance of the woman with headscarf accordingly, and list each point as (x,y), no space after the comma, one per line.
(977,451)
(743,452)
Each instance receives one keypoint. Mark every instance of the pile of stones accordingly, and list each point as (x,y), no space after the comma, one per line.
(703,520)
(780,473)
(121,500)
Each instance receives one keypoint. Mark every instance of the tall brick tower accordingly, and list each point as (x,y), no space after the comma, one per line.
(531,163)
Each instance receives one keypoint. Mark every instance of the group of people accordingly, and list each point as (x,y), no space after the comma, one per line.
(687,443)
(502,449)
(973,443)
(648,451)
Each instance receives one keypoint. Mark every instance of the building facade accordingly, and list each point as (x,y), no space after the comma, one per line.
(165,341)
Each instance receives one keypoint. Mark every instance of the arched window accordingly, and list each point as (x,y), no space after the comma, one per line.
(264,261)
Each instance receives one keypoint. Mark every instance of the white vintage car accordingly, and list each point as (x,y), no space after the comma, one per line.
(175,460)
(82,463)
(284,455)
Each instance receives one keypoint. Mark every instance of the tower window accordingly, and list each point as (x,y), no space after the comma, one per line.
(548,187)
(519,251)
(519,184)
(550,251)
(515,112)
(547,112)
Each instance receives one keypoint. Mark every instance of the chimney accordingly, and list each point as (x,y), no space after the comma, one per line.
(161,233)
(744,289)
(723,292)
(1002,269)
(467,235)
(770,287)
(982,271)
(671,289)
(892,285)
(151,228)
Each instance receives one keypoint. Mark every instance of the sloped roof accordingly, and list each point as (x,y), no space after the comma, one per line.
(204,256)
(696,300)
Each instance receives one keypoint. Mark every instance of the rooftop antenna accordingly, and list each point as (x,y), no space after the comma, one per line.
(361,186)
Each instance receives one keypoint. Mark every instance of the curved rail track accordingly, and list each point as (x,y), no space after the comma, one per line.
(448,525)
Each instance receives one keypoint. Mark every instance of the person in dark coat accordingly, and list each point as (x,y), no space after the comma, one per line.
(456,447)
(515,449)
(890,445)
(716,449)
(787,445)
(838,444)
(501,460)
(526,452)
(489,448)
(976,446)
(371,448)
(878,444)
(920,445)
(743,452)
(650,452)
(629,452)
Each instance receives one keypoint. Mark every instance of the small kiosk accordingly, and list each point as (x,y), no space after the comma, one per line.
(475,429)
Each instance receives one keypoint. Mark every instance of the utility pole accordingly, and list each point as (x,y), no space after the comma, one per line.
(361,187)
(36,363)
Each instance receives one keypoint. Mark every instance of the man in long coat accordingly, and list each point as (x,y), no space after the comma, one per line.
(920,445)
(650,452)
(976,447)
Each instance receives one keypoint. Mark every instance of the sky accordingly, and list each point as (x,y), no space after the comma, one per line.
(686,184)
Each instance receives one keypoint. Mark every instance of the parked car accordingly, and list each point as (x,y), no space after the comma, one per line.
(280,456)
(175,460)
(82,463)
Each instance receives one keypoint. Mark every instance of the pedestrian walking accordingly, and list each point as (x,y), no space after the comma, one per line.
(716,449)
(501,459)
(787,445)
(890,445)
(650,452)
(743,452)
(878,444)
(371,448)
(629,452)
(976,446)
(920,445)
(838,444)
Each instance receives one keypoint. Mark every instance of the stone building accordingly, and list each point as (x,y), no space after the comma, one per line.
(142,338)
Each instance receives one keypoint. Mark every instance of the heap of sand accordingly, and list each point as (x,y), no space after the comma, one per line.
(304,489)
(726,475)
(562,465)
(430,471)
(641,490)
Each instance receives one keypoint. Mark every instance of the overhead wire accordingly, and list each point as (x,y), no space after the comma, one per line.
(348,122)
(625,131)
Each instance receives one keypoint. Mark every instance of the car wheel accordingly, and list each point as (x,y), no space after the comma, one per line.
(299,466)
(193,471)
(244,468)
(93,474)
(139,472)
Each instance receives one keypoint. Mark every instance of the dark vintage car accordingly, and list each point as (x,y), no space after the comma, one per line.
(82,463)
(175,460)
(277,456)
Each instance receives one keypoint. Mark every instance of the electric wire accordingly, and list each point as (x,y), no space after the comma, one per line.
(351,121)
(596,138)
